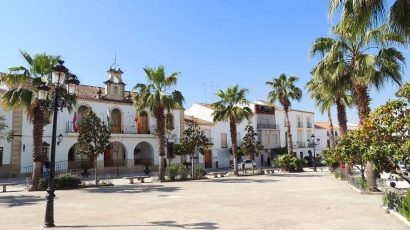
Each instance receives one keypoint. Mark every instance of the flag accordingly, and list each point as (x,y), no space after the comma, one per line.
(75,122)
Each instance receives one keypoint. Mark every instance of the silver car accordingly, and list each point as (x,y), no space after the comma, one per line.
(246,164)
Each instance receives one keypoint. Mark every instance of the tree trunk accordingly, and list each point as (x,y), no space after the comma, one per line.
(232,124)
(192,167)
(290,142)
(38,158)
(159,115)
(362,101)
(95,171)
(341,115)
(332,133)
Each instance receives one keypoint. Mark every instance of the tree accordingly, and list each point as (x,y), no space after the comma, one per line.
(232,106)
(364,59)
(249,145)
(156,96)
(284,90)
(193,141)
(93,138)
(388,126)
(22,93)
(371,12)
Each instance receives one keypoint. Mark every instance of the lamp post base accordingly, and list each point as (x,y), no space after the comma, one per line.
(49,218)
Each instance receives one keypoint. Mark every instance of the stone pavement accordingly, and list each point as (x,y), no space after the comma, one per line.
(281,201)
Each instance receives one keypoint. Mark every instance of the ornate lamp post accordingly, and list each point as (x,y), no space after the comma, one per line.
(314,143)
(59,78)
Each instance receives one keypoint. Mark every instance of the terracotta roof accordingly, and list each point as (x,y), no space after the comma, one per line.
(200,121)
(325,125)
(90,93)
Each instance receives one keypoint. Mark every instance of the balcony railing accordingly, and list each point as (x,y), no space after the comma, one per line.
(308,125)
(300,124)
(125,129)
(300,144)
(267,126)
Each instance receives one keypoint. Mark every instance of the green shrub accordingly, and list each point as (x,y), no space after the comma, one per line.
(393,201)
(337,174)
(172,172)
(200,173)
(285,162)
(60,182)
(182,172)
(291,163)
(358,182)
(405,207)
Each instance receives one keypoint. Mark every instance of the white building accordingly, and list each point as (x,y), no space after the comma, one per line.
(269,121)
(322,132)
(133,143)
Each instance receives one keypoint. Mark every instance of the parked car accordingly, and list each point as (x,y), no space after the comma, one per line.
(246,164)
(403,168)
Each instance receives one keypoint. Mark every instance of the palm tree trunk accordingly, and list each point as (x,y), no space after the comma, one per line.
(159,115)
(342,118)
(332,133)
(38,158)
(290,142)
(362,101)
(341,115)
(232,124)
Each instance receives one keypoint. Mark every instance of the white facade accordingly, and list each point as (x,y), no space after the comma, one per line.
(269,122)
(133,140)
(5,147)
(322,132)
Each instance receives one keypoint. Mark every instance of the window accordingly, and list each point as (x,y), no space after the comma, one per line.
(327,133)
(1,156)
(169,121)
(116,121)
(328,143)
(143,123)
(224,140)
(80,115)
(336,133)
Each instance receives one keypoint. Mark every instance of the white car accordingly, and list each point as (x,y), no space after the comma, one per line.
(246,164)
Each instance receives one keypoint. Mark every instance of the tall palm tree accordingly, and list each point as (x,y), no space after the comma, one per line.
(324,100)
(371,12)
(156,96)
(22,93)
(366,59)
(232,106)
(284,90)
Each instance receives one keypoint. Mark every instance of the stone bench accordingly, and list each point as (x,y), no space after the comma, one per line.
(6,184)
(269,171)
(139,178)
(221,174)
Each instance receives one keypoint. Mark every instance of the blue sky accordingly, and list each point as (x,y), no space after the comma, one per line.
(214,44)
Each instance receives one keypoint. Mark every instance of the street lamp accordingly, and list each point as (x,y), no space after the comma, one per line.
(59,77)
(314,143)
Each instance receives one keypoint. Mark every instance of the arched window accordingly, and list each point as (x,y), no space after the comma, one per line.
(169,121)
(116,121)
(143,127)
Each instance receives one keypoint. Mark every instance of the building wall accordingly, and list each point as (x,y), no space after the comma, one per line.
(6,158)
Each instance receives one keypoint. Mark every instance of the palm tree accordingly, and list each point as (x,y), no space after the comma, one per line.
(22,93)
(371,12)
(364,59)
(156,96)
(284,90)
(232,106)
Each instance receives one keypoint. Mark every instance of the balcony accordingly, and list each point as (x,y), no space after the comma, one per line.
(267,126)
(210,141)
(300,124)
(300,144)
(125,129)
(308,125)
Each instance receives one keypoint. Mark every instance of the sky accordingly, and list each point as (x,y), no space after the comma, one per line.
(214,44)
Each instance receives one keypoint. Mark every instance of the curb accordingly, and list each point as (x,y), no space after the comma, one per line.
(397,215)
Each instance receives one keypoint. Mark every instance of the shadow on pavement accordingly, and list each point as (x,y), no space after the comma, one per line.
(134,188)
(14,201)
(237,180)
(170,224)
(294,175)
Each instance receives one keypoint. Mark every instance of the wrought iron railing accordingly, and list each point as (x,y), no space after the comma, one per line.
(267,126)
(308,125)
(300,124)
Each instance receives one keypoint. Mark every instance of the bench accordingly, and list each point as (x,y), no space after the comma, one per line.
(269,171)
(139,178)
(6,184)
(221,174)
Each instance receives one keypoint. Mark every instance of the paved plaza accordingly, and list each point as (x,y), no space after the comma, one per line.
(281,201)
